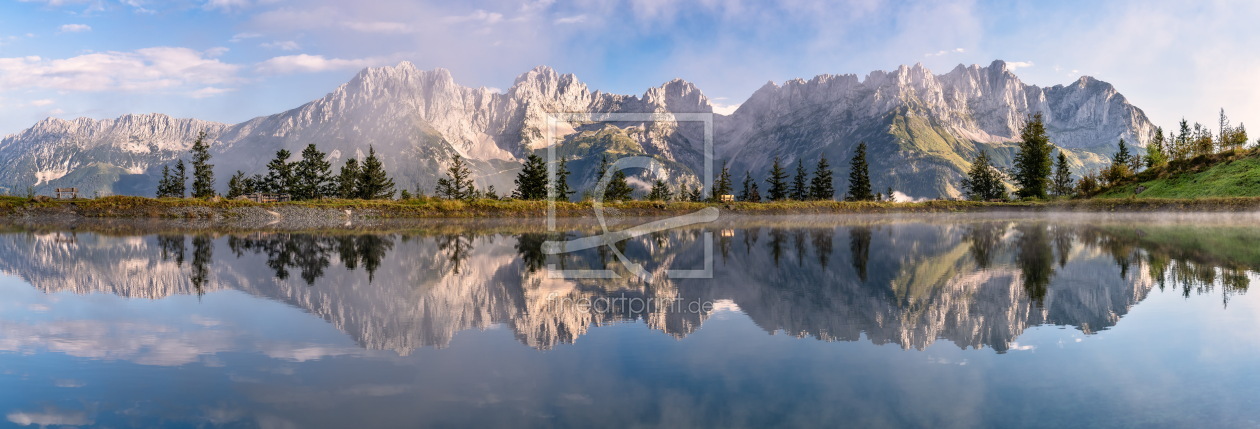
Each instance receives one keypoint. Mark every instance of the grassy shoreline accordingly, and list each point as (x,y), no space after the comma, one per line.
(169,208)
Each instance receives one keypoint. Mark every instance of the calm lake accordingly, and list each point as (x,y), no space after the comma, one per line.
(931,321)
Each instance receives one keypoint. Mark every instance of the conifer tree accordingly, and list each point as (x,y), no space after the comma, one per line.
(660,191)
(800,190)
(531,182)
(348,180)
(1033,162)
(312,175)
(1156,153)
(280,173)
(983,182)
(821,186)
(374,183)
(178,187)
(1119,169)
(561,188)
(859,176)
(778,188)
(722,185)
(164,184)
(1061,185)
(618,189)
(237,185)
(203,171)
(754,195)
(458,184)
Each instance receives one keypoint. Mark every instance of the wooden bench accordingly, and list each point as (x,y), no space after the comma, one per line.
(63,193)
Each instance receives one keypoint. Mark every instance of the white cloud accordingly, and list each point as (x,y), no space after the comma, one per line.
(283,45)
(227,5)
(946,52)
(383,27)
(149,69)
(43,102)
(49,417)
(75,28)
(725,109)
(575,19)
(478,15)
(1016,65)
(209,91)
(304,63)
(242,36)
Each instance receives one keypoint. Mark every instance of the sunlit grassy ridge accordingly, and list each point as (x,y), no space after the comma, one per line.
(1225,175)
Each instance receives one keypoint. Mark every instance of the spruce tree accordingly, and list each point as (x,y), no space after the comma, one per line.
(457,185)
(660,191)
(203,171)
(722,185)
(561,188)
(800,190)
(821,186)
(312,175)
(982,182)
(348,180)
(374,183)
(236,185)
(778,188)
(859,176)
(178,187)
(1119,168)
(754,195)
(531,182)
(618,189)
(1156,154)
(280,173)
(1061,184)
(164,184)
(1033,162)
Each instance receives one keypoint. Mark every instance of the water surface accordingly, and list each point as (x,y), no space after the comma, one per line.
(935,321)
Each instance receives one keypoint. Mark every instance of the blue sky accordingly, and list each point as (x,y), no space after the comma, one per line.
(230,60)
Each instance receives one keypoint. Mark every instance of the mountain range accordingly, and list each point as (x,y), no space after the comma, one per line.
(921,128)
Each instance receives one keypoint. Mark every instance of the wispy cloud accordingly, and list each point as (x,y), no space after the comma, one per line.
(384,27)
(946,52)
(478,15)
(149,69)
(304,63)
(74,28)
(283,45)
(575,19)
(1016,65)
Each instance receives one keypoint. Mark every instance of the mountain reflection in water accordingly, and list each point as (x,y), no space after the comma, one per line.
(978,284)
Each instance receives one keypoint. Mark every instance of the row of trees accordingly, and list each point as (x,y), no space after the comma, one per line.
(308,178)
(311,177)
(172,184)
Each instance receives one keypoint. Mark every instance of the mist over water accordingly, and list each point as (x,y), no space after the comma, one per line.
(901,321)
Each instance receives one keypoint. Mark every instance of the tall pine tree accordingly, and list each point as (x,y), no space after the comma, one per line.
(178,184)
(983,183)
(203,171)
(859,176)
(238,185)
(618,189)
(164,184)
(561,188)
(1061,183)
(660,191)
(531,182)
(1033,162)
(821,186)
(312,175)
(348,180)
(280,173)
(458,184)
(800,190)
(374,183)
(777,181)
(722,185)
